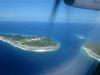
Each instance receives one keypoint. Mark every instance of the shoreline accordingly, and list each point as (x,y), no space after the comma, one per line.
(91,54)
(34,50)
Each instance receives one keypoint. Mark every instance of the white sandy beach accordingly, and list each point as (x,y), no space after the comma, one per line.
(91,54)
(28,48)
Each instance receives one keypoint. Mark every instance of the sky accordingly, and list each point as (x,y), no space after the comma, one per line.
(39,10)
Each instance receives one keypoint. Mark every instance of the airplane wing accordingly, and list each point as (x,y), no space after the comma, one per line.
(85,4)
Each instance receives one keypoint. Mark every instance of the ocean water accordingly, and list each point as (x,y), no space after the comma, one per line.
(15,61)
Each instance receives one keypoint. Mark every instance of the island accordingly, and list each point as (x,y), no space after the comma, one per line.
(31,43)
(93,49)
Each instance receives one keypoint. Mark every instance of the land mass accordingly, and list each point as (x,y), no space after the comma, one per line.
(93,49)
(31,43)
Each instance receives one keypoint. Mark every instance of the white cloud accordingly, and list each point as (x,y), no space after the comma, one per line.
(7,15)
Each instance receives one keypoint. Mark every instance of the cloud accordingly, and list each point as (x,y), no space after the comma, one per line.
(7,16)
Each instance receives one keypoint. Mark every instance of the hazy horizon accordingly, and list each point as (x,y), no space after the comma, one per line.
(39,11)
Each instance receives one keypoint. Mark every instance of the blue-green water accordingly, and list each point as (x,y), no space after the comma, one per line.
(14,61)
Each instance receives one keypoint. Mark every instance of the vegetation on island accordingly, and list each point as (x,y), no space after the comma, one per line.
(94,46)
(30,42)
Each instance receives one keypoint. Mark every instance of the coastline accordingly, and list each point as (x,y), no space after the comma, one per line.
(91,54)
(36,49)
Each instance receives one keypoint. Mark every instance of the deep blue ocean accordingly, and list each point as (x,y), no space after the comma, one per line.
(14,61)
